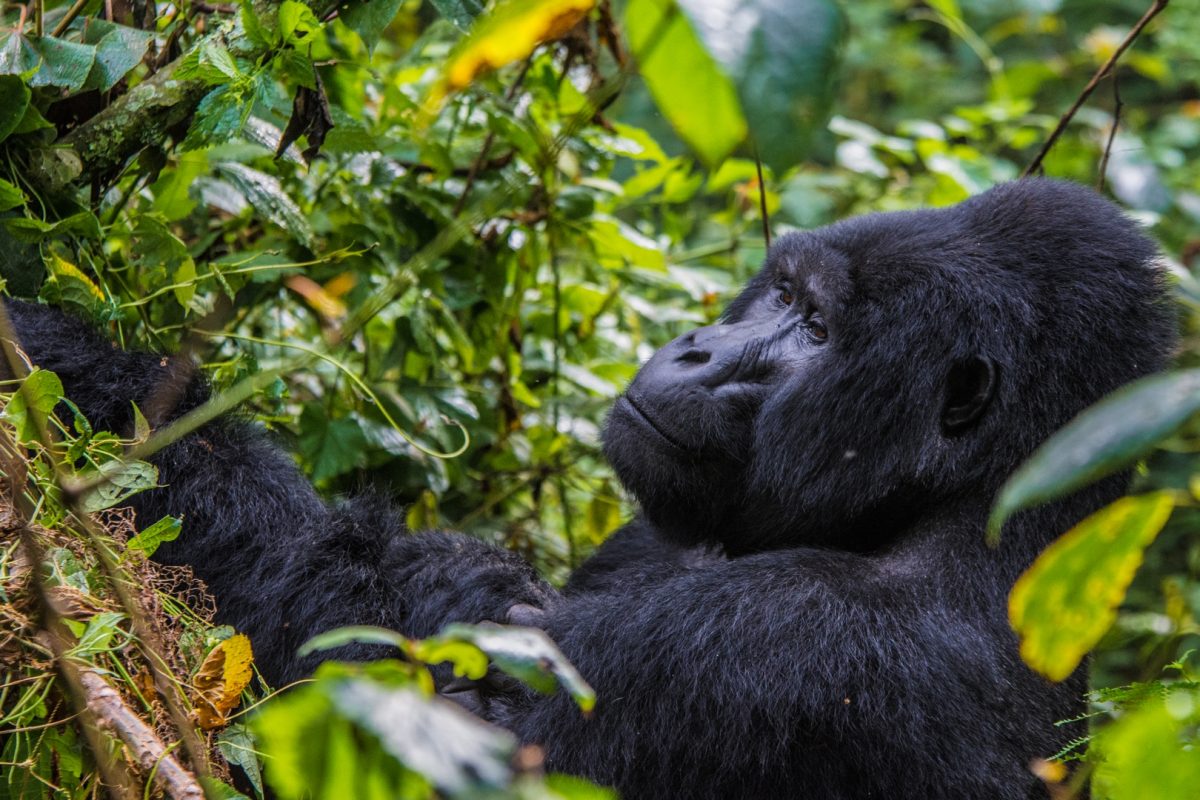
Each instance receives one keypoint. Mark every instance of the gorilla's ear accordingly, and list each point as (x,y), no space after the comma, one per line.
(969,388)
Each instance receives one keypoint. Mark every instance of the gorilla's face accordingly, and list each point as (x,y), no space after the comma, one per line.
(888,365)
(725,434)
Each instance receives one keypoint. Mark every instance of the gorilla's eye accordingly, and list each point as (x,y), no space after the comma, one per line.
(785,295)
(816,328)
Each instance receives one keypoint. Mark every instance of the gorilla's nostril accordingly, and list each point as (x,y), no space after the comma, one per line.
(693,356)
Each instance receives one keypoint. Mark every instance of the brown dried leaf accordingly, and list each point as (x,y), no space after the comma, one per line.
(219,682)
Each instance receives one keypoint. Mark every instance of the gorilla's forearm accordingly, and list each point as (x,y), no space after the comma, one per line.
(282,564)
(857,681)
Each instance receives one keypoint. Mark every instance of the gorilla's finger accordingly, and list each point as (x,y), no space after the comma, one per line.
(526,615)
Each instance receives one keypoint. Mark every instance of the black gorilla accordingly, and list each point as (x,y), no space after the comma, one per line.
(807,606)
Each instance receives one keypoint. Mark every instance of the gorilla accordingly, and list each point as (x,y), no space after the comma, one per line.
(805,605)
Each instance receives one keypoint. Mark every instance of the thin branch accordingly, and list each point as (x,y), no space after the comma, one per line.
(151,754)
(1112,132)
(1105,68)
(69,17)
(762,196)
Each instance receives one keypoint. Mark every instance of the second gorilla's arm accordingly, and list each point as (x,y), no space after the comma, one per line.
(282,564)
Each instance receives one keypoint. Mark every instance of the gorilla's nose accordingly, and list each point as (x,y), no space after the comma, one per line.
(708,357)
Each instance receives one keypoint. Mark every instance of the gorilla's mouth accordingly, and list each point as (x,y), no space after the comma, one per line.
(646,421)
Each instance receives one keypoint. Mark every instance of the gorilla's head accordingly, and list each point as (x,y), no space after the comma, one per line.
(885,366)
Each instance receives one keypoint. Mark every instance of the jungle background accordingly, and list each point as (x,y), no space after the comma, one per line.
(427,243)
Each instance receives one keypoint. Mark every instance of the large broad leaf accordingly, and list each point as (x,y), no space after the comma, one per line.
(688,85)
(332,446)
(368,18)
(456,751)
(461,12)
(1104,439)
(40,392)
(119,49)
(57,62)
(781,56)
(508,33)
(1065,602)
(1148,754)
(265,193)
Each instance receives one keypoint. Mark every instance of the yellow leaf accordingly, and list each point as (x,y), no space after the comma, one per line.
(321,301)
(1068,598)
(220,681)
(508,33)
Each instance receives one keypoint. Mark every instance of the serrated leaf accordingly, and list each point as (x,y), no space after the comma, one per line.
(40,391)
(210,63)
(369,18)
(781,55)
(461,12)
(688,86)
(332,446)
(298,23)
(1106,438)
(267,196)
(67,286)
(165,530)
(1068,598)
(14,99)
(528,655)
(509,32)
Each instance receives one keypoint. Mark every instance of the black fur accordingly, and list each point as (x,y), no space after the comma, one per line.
(807,607)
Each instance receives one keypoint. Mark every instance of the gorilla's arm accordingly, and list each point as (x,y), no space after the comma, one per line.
(635,554)
(282,564)
(819,671)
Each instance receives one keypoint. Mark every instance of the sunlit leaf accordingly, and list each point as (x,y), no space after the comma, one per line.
(688,85)
(166,529)
(1068,598)
(1144,755)
(40,391)
(509,32)
(1108,437)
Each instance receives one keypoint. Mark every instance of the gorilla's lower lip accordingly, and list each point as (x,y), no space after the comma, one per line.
(647,421)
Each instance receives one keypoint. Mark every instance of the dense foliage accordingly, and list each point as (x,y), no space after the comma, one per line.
(427,245)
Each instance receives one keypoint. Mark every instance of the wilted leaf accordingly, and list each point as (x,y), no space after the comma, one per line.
(1068,598)
(165,530)
(509,32)
(41,390)
(528,655)
(688,86)
(311,117)
(220,681)
(1107,437)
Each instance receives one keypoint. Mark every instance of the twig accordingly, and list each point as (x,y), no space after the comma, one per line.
(1150,14)
(762,196)
(487,142)
(1112,132)
(69,17)
(151,754)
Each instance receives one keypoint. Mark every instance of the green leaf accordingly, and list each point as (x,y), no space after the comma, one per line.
(10,196)
(266,195)
(1106,438)
(40,391)
(781,55)
(123,479)
(165,530)
(238,747)
(63,64)
(369,18)
(332,446)
(350,634)
(119,49)
(154,246)
(14,99)
(67,286)
(1146,754)
(35,231)
(461,12)
(210,63)
(1068,598)
(691,90)
(297,23)
(528,655)
(436,738)
(99,634)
